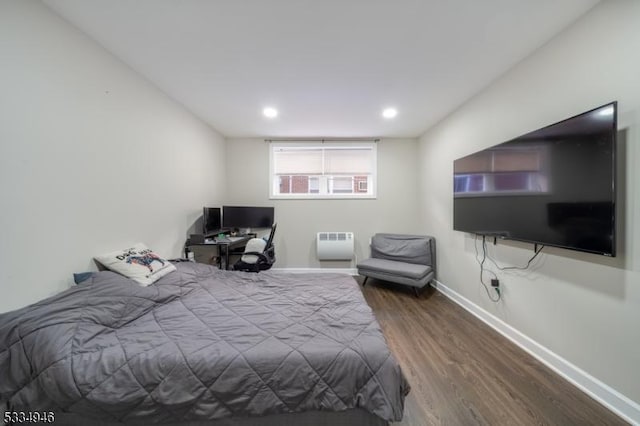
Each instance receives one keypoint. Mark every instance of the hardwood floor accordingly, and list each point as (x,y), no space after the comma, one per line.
(462,372)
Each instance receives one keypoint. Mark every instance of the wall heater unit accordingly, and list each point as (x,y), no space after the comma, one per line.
(334,245)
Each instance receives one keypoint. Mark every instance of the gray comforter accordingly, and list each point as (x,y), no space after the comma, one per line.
(200,344)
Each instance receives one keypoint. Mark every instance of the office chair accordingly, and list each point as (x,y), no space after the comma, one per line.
(259,255)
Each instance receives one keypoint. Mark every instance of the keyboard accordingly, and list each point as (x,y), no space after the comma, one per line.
(229,239)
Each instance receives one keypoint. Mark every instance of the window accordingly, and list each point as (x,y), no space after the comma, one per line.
(326,170)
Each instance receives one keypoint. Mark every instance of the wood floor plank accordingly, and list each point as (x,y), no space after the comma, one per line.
(462,372)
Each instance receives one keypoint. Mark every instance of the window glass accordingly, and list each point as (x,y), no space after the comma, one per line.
(328,170)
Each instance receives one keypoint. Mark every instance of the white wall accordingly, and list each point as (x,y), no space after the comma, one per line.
(394,210)
(92,157)
(585,308)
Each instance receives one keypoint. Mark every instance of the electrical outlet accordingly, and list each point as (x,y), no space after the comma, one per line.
(495,283)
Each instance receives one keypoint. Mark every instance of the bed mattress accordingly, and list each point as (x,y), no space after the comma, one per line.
(200,344)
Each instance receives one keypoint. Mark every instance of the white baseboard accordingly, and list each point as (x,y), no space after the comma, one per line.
(601,392)
(349,271)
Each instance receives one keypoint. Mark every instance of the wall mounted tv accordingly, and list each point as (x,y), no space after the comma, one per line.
(247,217)
(554,186)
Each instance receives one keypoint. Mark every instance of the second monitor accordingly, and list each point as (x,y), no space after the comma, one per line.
(243,217)
(211,220)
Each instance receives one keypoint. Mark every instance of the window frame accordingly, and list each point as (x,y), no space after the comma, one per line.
(372,181)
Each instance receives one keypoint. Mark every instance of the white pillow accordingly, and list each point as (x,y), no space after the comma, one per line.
(255,245)
(138,263)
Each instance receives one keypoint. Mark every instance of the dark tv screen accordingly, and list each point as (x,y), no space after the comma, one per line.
(554,186)
(211,220)
(247,217)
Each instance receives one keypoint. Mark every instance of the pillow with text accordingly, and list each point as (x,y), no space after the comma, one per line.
(139,263)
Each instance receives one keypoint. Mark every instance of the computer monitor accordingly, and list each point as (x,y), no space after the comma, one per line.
(242,217)
(211,220)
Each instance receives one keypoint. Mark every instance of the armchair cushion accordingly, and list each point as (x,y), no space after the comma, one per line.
(402,248)
(403,269)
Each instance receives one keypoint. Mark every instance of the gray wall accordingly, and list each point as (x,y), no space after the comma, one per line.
(585,308)
(92,157)
(394,210)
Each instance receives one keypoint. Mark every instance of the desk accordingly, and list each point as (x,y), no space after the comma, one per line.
(215,251)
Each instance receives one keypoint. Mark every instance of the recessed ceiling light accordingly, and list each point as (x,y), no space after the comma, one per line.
(270,112)
(389,113)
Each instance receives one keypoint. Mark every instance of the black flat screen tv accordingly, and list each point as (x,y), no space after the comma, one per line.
(247,217)
(554,186)
(211,220)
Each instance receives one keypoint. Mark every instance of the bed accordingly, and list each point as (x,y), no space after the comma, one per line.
(202,346)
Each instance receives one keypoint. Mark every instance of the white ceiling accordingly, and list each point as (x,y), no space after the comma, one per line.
(328,66)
